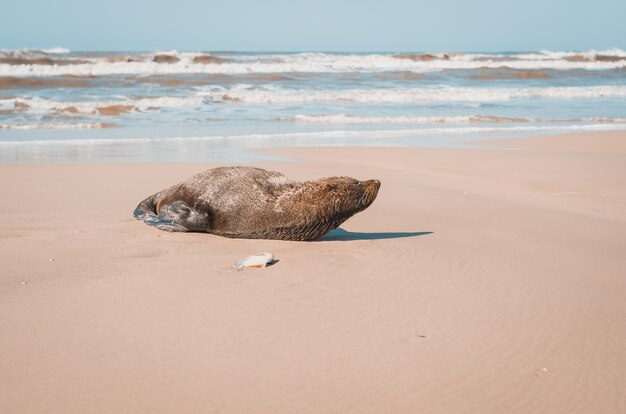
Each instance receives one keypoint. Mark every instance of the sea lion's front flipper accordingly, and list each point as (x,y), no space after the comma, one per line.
(146,209)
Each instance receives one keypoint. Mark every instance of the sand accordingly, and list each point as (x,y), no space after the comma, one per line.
(479,281)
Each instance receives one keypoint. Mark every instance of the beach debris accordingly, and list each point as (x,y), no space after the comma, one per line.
(51,260)
(24,283)
(256,260)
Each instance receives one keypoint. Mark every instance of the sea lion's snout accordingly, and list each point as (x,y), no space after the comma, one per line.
(371,188)
(372,185)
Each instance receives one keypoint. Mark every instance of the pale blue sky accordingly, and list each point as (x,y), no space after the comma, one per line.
(322,25)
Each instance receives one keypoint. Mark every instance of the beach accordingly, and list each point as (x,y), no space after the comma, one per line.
(483,279)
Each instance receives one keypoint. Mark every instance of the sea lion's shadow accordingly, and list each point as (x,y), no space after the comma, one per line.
(344,235)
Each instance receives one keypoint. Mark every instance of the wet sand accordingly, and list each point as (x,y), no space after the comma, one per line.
(479,281)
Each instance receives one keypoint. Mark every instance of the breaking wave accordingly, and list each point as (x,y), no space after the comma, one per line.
(278,95)
(117,107)
(244,94)
(58,62)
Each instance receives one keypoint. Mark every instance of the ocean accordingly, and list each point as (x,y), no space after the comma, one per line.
(169,106)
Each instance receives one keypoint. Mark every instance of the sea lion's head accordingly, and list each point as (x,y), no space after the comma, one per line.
(319,206)
(338,198)
(349,195)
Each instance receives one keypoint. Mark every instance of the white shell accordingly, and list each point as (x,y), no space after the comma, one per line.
(256,260)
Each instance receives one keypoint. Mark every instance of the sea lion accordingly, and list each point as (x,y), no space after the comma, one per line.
(252,203)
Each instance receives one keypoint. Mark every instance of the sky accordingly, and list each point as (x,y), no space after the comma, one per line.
(314,25)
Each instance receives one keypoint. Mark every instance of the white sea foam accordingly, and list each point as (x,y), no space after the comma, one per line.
(246,94)
(560,55)
(35,104)
(355,119)
(420,120)
(277,95)
(317,63)
(57,51)
(334,137)
(95,125)
(33,53)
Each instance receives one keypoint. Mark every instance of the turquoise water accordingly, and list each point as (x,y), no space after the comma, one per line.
(61,106)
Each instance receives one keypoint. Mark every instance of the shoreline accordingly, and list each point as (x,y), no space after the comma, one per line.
(481,280)
(207,152)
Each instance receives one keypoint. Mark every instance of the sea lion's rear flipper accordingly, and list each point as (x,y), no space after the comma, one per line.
(177,216)
(164,224)
(146,209)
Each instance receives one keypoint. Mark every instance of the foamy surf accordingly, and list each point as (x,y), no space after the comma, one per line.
(453,119)
(274,95)
(277,95)
(172,62)
(116,107)
(95,125)
(334,137)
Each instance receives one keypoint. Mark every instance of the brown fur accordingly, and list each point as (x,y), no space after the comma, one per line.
(247,202)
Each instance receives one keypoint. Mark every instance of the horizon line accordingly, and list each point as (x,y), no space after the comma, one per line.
(43,49)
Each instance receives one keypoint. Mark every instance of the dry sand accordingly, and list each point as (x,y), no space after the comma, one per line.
(480,281)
